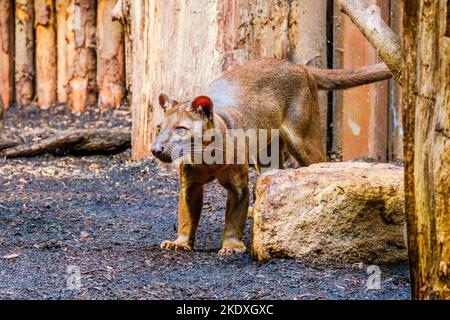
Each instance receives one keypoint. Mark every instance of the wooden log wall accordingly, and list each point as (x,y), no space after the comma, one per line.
(110,57)
(61,51)
(45,52)
(24,51)
(61,44)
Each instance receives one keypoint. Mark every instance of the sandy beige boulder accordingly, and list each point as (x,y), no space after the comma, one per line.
(346,212)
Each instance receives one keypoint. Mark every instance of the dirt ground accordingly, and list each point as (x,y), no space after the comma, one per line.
(106,216)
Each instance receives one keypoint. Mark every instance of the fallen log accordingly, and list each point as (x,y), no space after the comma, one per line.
(75,142)
(8,140)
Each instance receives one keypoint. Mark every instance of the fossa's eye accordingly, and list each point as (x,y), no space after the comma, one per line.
(158,130)
(182,132)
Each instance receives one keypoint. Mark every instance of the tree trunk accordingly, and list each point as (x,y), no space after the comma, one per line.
(174,52)
(61,23)
(426,48)
(24,51)
(426,122)
(81,54)
(6,52)
(111,59)
(45,52)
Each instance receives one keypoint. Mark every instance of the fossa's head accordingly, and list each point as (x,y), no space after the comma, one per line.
(176,130)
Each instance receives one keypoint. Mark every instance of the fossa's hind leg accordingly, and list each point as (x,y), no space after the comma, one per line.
(301,126)
(305,150)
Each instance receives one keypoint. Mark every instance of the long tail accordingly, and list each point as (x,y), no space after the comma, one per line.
(348,78)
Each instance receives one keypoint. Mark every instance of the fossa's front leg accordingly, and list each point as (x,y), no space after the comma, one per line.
(189,210)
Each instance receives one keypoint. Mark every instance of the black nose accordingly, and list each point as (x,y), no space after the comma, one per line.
(157,150)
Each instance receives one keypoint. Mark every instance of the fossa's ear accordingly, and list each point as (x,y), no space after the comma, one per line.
(204,105)
(166,102)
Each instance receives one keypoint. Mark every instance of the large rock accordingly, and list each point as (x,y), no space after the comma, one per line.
(346,212)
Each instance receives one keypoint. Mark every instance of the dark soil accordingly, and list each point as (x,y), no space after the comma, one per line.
(107,217)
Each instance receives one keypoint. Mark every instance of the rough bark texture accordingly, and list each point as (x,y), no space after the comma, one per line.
(61,23)
(75,142)
(6,52)
(174,52)
(81,54)
(24,51)
(426,48)
(368,19)
(45,52)
(347,212)
(110,57)
(8,140)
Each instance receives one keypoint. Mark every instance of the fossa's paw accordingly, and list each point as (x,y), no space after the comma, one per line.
(232,248)
(176,245)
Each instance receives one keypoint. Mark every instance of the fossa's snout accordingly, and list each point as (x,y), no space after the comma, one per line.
(157,150)
(161,152)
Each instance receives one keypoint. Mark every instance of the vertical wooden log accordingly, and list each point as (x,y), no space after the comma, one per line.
(364,108)
(141,106)
(122,13)
(62,68)
(45,52)
(24,51)
(110,57)
(6,52)
(81,54)
(426,52)
(238,31)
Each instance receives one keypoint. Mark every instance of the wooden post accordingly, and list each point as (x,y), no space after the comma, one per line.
(6,52)
(81,54)
(62,68)
(110,57)
(238,31)
(24,51)
(365,108)
(426,117)
(45,52)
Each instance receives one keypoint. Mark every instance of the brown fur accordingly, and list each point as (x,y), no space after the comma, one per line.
(264,94)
